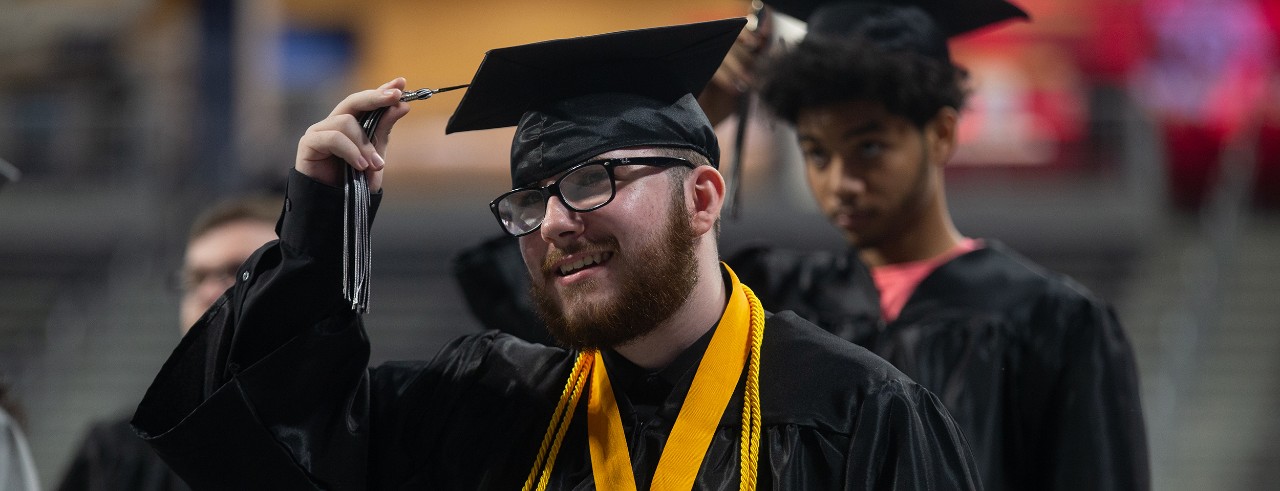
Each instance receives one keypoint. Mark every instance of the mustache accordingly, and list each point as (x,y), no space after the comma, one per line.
(555,254)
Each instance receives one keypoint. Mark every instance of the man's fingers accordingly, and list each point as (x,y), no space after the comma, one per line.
(392,83)
(322,155)
(349,127)
(338,141)
(333,143)
(383,132)
(749,40)
(368,100)
(737,74)
(375,180)
(345,123)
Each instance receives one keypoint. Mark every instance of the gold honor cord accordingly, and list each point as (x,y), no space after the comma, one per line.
(560,419)
(750,444)
(736,342)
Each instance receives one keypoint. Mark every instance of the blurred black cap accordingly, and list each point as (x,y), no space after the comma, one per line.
(572,99)
(954,17)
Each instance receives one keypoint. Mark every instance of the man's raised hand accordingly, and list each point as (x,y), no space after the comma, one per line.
(338,141)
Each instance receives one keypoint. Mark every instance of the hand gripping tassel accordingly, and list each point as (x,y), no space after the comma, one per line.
(356,263)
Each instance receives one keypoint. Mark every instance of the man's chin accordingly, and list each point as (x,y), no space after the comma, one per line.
(588,339)
(862,240)
(586,334)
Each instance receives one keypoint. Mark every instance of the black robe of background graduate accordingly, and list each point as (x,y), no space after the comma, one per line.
(112,457)
(1035,370)
(270,390)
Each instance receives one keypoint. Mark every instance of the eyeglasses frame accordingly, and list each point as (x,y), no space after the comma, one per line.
(553,189)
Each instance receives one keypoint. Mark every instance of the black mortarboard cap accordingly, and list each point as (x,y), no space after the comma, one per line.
(575,98)
(954,17)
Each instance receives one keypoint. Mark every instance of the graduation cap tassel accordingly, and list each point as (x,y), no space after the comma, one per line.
(744,115)
(355,235)
(356,250)
(739,145)
(347,234)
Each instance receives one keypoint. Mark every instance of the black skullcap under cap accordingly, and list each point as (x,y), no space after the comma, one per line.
(572,99)
(954,17)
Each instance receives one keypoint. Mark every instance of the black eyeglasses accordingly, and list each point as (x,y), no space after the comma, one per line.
(584,187)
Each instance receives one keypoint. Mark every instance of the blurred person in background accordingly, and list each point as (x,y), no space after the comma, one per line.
(1036,369)
(112,456)
(1210,81)
(17,469)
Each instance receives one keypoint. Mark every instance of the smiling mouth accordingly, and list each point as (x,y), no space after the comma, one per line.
(583,262)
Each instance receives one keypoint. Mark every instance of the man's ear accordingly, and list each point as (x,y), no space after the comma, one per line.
(940,133)
(708,198)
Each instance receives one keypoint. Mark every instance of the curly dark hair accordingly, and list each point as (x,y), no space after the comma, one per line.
(826,70)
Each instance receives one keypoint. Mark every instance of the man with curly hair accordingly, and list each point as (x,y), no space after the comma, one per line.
(1036,370)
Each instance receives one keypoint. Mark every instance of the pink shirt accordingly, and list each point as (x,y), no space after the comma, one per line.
(897,282)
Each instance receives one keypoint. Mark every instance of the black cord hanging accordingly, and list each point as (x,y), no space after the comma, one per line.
(356,252)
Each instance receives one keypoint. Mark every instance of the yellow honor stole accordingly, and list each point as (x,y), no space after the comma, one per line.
(736,343)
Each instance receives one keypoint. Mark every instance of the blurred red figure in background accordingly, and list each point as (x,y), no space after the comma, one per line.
(1211,64)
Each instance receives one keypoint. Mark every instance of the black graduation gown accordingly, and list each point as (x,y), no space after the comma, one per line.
(1035,369)
(113,458)
(270,390)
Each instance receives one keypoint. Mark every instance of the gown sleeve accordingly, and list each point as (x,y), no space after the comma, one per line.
(906,440)
(832,290)
(225,404)
(1094,433)
(113,457)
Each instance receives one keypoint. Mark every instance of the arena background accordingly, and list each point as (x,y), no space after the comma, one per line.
(1132,144)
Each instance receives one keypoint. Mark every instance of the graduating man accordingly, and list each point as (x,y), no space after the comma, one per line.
(1036,370)
(672,375)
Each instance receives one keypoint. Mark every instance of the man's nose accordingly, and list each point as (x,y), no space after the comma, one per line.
(560,223)
(845,179)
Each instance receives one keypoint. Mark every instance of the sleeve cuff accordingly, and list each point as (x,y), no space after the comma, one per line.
(312,219)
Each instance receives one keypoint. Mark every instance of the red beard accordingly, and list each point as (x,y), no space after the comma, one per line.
(658,278)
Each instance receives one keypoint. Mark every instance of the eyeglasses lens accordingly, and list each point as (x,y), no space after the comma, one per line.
(522,211)
(587,188)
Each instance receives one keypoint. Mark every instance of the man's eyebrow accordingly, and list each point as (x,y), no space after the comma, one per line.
(870,127)
(873,126)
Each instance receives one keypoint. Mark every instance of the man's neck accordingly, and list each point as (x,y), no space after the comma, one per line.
(700,312)
(934,234)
